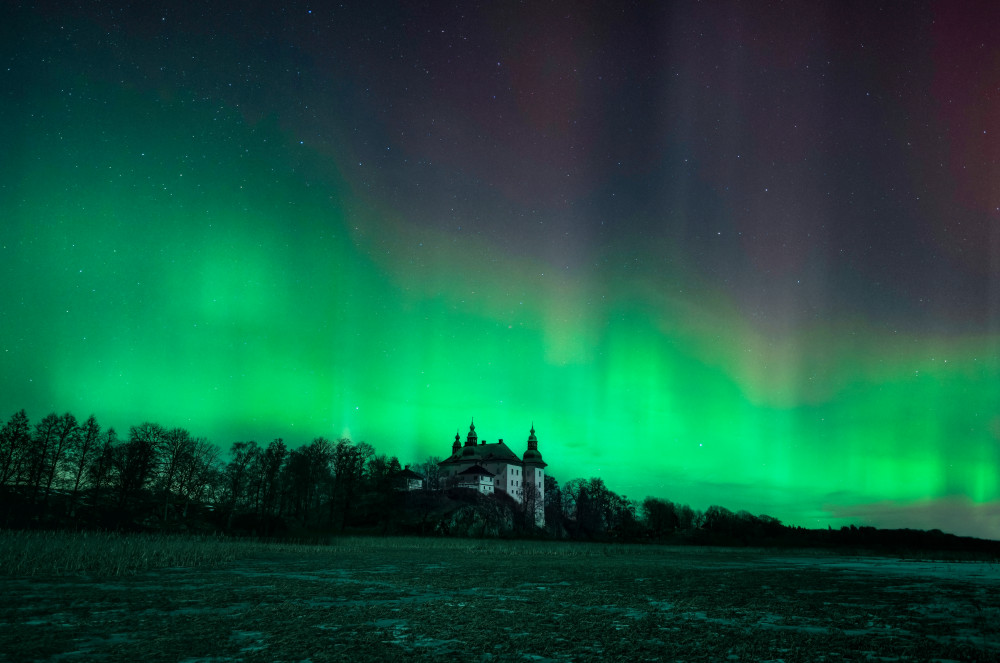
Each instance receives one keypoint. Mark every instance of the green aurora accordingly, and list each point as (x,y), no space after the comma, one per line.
(174,258)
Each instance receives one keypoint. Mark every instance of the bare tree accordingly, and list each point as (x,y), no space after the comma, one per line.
(295,483)
(379,472)
(176,449)
(622,520)
(66,437)
(592,510)
(198,472)
(40,451)
(135,461)
(305,474)
(81,454)
(263,474)
(719,519)
(532,504)
(659,516)
(99,471)
(15,439)
(349,462)
(553,505)
(271,462)
(243,454)
(431,471)
(574,502)
(686,517)
(255,484)
(380,475)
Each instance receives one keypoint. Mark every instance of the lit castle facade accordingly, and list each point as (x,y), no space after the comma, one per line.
(491,468)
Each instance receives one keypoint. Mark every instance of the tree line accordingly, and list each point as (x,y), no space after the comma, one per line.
(61,472)
(59,468)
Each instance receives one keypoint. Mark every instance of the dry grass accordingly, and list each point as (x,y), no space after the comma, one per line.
(100,554)
(110,554)
(103,554)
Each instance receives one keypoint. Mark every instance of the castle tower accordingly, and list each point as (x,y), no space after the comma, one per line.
(534,476)
(456,445)
(472,439)
(532,455)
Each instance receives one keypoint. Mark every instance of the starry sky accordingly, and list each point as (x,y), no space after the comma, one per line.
(735,253)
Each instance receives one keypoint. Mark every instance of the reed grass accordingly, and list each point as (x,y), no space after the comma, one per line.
(43,553)
(97,554)
(103,554)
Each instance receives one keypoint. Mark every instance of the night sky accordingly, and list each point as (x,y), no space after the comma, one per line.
(722,253)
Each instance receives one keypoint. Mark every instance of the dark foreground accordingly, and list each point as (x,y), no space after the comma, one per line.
(493,602)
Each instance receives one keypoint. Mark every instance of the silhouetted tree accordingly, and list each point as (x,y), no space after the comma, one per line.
(349,461)
(572,491)
(320,453)
(295,482)
(271,461)
(431,472)
(593,511)
(595,501)
(305,473)
(100,470)
(134,463)
(659,516)
(242,456)
(176,451)
(687,519)
(40,452)
(719,520)
(553,505)
(770,526)
(583,504)
(15,440)
(81,454)
(199,473)
(66,437)
(255,484)
(621,518)
(380,475)
(532,503)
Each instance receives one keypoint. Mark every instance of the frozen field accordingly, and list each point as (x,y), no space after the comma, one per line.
(494,602)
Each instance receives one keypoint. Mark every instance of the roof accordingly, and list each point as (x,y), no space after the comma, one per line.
(477,470)
(409,474)
(533,457)
(497,451)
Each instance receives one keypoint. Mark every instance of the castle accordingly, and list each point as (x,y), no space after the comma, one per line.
(490,468)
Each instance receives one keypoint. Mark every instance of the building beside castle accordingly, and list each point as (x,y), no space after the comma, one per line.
(493,468)
(406,479)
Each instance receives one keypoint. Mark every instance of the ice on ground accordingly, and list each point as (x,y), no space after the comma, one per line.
(86,647)
(970,571)
(387,623)
(631,613)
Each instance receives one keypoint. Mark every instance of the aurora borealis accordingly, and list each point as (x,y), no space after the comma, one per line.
(743,254)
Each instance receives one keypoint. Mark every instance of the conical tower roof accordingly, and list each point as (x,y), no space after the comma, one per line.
(472,439)
(532,455)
